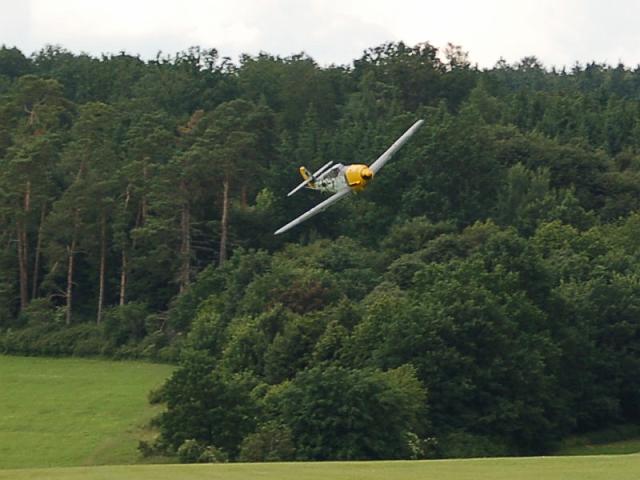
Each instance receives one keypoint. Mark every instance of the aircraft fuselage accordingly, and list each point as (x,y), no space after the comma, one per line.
(355,176)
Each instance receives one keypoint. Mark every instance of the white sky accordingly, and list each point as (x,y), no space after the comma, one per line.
(558,32)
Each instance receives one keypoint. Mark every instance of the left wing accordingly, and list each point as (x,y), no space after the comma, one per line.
(384,158)
(317,209)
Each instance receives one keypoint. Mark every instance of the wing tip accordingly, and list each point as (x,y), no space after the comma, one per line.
(281,230)
(315,210)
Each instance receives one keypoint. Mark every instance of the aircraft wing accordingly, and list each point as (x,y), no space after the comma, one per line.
(384,158)
(317,209)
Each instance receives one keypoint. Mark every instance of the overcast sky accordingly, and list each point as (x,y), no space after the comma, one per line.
(558,32)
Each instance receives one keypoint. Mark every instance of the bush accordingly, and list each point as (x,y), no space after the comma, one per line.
(169,354)
(38,312)
(336,413)
(156,396)
(125,324)
(53,340)
(146,449)
(213,454)
(419,448)
(208,406)
(150,345)
(190,451)
(89,346)
(467,445)
(271,443)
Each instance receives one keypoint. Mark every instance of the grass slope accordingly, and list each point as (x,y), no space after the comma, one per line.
(611,441)
(64,412)
(612,448)
(621,467)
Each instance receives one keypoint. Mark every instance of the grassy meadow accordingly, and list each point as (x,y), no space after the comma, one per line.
(621,439)
(77,418)
(621,467)
(68,412)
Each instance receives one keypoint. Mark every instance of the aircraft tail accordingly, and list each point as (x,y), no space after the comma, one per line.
(309,178)
(306,175)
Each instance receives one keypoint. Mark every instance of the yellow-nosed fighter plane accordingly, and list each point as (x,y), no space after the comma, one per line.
(342,179)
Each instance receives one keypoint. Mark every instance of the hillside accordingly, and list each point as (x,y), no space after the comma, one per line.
(70,412)
(480,298)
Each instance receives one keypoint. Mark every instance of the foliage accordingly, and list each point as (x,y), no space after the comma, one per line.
(271,443)
(486,284)
(335,412)
(192,452)
(206,407)
(125,323)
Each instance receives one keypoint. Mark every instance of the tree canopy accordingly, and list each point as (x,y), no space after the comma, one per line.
(482,297)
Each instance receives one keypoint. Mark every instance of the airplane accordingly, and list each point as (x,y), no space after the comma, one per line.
(342,180)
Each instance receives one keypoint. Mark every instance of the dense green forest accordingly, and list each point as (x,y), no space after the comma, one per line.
(482,297)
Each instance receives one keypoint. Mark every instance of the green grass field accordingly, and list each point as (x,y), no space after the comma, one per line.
(65,412)
(621,467)
(612,448)
(615,440)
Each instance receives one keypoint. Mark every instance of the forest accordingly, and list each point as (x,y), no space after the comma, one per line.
(482,297)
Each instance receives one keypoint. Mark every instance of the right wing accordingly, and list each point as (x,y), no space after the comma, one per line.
(384,158)
(317,209)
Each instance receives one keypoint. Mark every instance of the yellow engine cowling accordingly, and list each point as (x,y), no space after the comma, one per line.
(358,176)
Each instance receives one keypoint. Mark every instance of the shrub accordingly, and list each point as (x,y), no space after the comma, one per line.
(156,396)
(336,413)
(467,445)
(38,312)
(145,449)
(53,340)
(208,406)
(92,345)
(190,451)
(271,443)
(212,454)
(125,323)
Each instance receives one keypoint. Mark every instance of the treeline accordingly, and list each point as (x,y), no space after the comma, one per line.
(480,298)
(437,342)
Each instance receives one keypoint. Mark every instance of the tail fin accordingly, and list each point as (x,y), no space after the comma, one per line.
(306,175)
(309,177)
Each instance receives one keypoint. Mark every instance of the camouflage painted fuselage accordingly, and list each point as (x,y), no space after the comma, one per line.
(340,176)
